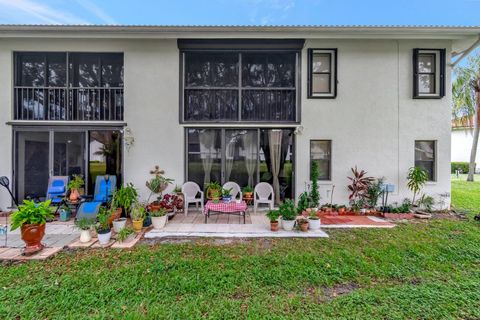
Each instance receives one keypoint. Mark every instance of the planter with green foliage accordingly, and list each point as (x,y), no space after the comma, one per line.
(85,225)
(74,186)
(313,221)
(126,235)
(125,198)
(137,215)
(214,190)
(273,216)
(159,218)
(289,214)
(31,218)
(104,232)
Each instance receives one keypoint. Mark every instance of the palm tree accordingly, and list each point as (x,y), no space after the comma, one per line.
(466,102)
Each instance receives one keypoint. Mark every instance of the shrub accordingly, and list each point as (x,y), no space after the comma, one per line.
(462,166)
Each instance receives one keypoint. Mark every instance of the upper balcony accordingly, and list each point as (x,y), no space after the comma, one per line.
(68,86)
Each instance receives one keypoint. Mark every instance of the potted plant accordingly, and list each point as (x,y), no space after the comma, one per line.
(159,218)
(314,194)
(289,213)
(226,196)
(125,198)
(303,224)
(85,225)
(313,221)
(137,214)
(126,235)
(31,219)
(214,191)
(157,184)
(64,213)
(103,226)
(273,216)
(180,199)
(341,209)
(73,187)
(119,224)
(169,203)
(247,192)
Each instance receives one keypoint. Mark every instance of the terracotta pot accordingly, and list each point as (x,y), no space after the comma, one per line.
(274,226)
(181,202)
(154,206)
(115,215)
(303,226)
(137,225)
(248,195)
(32,235)
(74,195)
(341,210)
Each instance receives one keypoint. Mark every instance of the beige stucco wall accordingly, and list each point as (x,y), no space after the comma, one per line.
(373,122)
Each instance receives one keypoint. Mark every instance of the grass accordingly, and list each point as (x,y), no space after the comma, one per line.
(419,270)
(466,195)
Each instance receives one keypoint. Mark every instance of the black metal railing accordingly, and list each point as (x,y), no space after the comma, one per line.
(68,104)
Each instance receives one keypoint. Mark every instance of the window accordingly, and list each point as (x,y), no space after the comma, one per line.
(322,73)
(247,81)
(428,73)
(425,155)
(321,152)
(68,86)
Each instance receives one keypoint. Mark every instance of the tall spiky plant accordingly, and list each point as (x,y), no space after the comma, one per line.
(314,194)
(466,102)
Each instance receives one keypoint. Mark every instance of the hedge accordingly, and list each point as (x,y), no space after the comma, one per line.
(462,166)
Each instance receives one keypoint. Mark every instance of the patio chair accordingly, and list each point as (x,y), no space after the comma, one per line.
(235,189)
(190,191)
(57,190)
(263,193)
(105,186)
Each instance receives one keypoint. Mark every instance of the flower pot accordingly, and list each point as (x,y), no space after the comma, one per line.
(85,236)
(119,224)
(32,235)
(288,224)
(304,226)
(179,208)
(159,222)
(64,215)
(341,211)
(147,222)
(137,225)
(74,195)
(115,215)
(104,237)
(314,224)
(154,206)
(305,213)
(248,195)
(274,225)
(226,199)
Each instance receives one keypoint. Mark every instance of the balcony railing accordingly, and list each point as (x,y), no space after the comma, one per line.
(69,104)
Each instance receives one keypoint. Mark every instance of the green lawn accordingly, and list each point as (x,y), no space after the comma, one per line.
(419,270)
(466,195)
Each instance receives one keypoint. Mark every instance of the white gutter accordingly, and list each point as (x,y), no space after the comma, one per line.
(466,52)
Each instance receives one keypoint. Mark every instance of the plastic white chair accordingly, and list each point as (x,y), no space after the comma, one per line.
(190,191)
(235,189)
(263,193)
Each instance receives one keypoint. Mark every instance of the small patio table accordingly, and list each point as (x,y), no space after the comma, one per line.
(231,207)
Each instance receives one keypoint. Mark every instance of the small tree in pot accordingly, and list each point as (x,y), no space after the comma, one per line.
(31,219)
(85,225)
(74,186)
(273,216)
(125,198)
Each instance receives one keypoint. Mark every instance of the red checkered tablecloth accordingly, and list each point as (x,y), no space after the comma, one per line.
(223,207)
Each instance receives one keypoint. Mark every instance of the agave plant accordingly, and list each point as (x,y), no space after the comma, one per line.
(359,184)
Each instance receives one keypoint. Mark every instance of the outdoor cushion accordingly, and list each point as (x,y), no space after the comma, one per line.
(56,189)
(90,207)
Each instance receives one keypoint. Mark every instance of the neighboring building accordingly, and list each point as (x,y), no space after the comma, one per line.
(246,104)
(462,139)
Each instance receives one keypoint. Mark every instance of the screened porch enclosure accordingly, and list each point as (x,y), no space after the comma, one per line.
(245,156)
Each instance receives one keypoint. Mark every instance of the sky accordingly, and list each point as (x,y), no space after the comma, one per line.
(242,12)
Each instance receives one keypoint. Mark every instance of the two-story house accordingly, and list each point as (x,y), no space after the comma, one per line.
(244,104)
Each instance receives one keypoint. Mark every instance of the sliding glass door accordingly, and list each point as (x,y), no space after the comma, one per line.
(245,156)
(41,153)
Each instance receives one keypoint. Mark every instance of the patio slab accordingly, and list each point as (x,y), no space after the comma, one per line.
(15,254)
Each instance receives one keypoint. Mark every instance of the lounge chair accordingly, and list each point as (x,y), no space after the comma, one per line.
(191,190)
(57,190)
(105,186)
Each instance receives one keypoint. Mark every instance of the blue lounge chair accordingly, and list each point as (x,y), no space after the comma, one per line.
(57,190)
(105,186)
